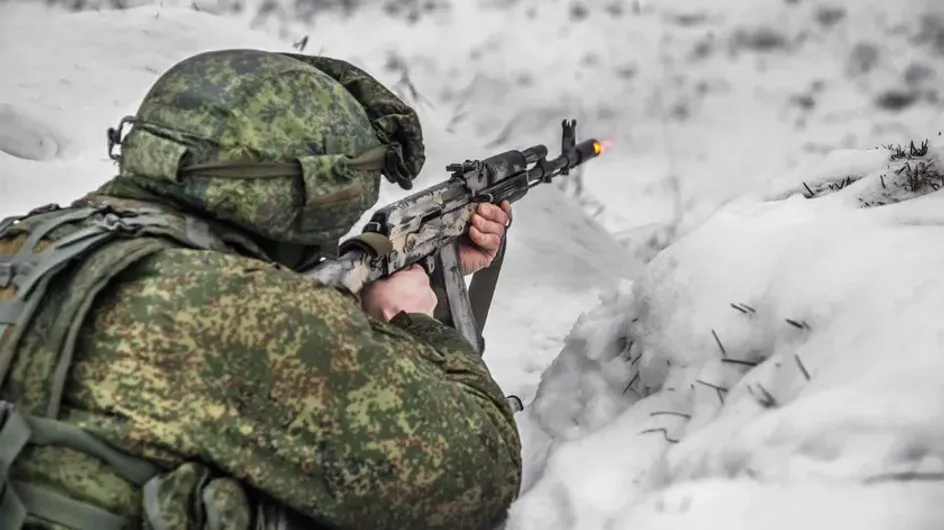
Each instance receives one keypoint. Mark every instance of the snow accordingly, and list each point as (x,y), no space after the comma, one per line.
(65,89)
(778,366)
(682,397)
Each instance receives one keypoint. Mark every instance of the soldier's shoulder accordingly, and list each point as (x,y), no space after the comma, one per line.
(175,262)
(185,276)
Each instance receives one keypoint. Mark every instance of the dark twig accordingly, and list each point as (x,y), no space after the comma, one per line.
(715,335)
(809,190)
(802,368)
(626,348)
(766,400)
(739,361)
(664,432)
(923,150)
(301,44)
(801,324)
(670,413)
(744,308)
(720,390)
(633,380)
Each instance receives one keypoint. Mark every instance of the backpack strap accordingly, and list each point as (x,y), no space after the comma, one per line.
(19,499)
(31,270)
(77,251)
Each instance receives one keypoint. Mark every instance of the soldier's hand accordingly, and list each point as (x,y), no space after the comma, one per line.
(406,290)
(488,227)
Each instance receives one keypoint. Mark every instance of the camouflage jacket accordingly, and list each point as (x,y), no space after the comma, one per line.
(229,392)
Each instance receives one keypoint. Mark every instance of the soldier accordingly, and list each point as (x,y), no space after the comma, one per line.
(167,367)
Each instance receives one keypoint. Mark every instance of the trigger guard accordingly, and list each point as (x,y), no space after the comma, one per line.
(370,242)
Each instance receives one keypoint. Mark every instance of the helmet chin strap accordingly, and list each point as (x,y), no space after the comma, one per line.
(115,134)
(386,159)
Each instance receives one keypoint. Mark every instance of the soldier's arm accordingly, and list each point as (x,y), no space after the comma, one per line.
(291,388)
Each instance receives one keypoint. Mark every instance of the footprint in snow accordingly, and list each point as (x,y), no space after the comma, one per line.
(24,137)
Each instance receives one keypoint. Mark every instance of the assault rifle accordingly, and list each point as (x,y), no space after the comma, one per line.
(426,228)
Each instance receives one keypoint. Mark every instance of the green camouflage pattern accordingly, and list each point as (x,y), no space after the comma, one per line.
(395,122)
(282,386)
(289,387)
(263,396)
(246,106)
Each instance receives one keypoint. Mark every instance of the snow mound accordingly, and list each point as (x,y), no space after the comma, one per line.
(779,366)
(24,137)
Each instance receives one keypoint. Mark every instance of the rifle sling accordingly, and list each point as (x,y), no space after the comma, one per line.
(482,287)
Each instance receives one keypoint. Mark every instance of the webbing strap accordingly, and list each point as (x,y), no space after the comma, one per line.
(54,432)
(54,257)
(214,519)
(20,499)
(481,291)
(27,268)
(8,348)
(29,274)
(14,435)
(151,503)
(59,509)
(51,224)
(10,311)
(374,158)
(12,510)
(7,222)
(482,287)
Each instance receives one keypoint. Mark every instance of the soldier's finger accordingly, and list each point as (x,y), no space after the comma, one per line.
(476,236)
(492,213)
(485,241)
(481,239)
(487,226)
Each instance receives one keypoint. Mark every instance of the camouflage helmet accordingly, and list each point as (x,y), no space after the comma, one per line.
(289,147)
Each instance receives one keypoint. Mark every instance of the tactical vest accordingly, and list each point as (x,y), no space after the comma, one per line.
(74,253)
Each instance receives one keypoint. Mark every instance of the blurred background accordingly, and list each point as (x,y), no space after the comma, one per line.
(703,100)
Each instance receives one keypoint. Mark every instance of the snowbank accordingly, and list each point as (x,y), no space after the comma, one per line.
(780,366)
(688,399)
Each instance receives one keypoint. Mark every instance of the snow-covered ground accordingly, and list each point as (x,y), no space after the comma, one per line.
(776,366)
(779,367)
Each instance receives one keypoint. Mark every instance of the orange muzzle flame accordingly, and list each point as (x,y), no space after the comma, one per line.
(599,147)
